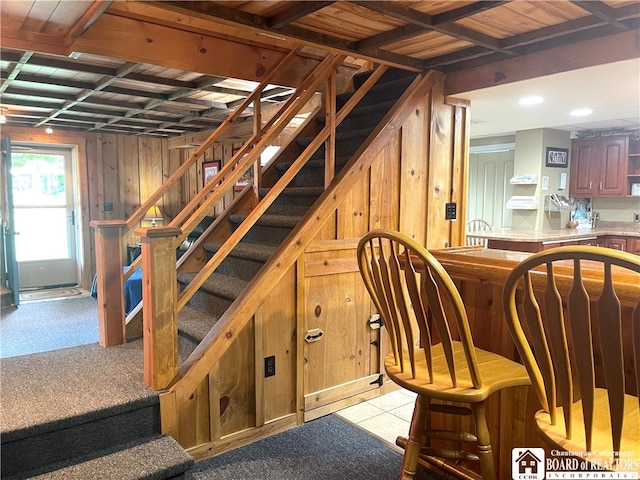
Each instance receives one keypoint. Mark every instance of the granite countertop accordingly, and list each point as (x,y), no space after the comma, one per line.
(562,234)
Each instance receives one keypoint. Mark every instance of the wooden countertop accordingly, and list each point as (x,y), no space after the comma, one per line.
(550,236)
(492,266)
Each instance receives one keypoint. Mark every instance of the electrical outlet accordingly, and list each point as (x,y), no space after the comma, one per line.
(636,217)
(270,366)
(450,211)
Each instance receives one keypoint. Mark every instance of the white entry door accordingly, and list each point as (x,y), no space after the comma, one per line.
(43,202)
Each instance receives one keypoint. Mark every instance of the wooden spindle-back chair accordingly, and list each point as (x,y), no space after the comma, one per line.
(581,346)
(431,349)
(477,225)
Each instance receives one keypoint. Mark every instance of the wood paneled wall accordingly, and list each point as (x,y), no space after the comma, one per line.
(122,171)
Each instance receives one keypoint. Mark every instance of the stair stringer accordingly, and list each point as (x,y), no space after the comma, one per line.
(191,407)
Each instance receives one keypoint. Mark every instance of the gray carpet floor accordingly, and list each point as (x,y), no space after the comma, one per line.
(44,326)
(324,449)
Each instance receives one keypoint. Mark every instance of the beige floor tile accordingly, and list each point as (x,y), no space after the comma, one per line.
(358,413)
(386,426)
(404,412)
(391,400)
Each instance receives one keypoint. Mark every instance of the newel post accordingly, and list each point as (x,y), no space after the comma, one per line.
(159,297)
(110,286)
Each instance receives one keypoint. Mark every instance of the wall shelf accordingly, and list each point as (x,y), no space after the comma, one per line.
(524,179)
(523,202)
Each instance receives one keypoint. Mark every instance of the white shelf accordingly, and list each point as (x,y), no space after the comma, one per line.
(524,179)
(523,202)
(551,206)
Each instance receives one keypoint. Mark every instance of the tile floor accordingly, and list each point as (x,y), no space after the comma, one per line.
(386,416)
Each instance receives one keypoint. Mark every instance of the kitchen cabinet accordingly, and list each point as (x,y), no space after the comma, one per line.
(617,243)
(599,167)
(633,245)
(633,171)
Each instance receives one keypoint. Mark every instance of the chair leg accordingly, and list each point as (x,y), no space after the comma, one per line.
(487,466)
(416,439)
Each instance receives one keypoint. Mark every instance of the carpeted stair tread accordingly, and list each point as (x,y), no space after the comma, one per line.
(220,285)
(340,136)
(295,191)
(313,163)
(155,458)
(52,390)
(248,251)
(361,111)
(195,324)
(286,221)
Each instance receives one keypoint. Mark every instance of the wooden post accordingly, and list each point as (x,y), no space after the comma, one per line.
(159,312)
(110,286)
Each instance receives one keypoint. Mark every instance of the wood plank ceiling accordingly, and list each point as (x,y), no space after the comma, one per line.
(100,66)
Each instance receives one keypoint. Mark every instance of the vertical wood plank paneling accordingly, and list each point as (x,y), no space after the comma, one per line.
(171,161)
(237,380)
(460,124)
(439,185)
(130,179)
(413,191)
(352,215)
(279,339)
(111,177)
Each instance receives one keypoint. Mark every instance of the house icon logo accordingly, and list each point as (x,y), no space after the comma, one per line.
(527,464)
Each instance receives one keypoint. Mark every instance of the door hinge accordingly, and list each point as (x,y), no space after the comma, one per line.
(375,321)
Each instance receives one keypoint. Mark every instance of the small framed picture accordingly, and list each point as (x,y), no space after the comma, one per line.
(209,170)
(557,157)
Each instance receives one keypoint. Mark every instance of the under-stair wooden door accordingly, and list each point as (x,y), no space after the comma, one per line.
(340,348)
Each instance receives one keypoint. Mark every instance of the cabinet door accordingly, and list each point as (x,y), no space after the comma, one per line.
(633,245)
(617,243)
(584,174)
(341,349)
(613,166)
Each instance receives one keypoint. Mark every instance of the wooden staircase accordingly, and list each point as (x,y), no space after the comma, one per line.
(281,218)
(278,264)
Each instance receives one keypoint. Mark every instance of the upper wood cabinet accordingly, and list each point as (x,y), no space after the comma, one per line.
(599,167)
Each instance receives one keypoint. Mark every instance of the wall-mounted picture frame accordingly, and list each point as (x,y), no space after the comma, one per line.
(244,180)
(210,170)
(557,157)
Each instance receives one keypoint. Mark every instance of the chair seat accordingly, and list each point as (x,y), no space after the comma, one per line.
(497,372)
(602,447)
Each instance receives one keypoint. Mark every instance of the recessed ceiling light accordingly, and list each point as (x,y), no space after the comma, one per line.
(531,100)
(49,130)
(581,112)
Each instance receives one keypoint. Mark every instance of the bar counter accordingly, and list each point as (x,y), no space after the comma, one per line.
(480,274)
(537,240)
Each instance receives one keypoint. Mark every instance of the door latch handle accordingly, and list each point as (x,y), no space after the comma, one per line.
(313,335)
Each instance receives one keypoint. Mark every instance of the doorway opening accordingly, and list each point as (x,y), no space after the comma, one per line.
(44,212)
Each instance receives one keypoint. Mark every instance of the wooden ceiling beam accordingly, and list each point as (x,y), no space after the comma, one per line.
(602,11)
(231,16)
(588,53)
(296,12)
(466,11)
(414,17)
(173,47)
(14,70)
